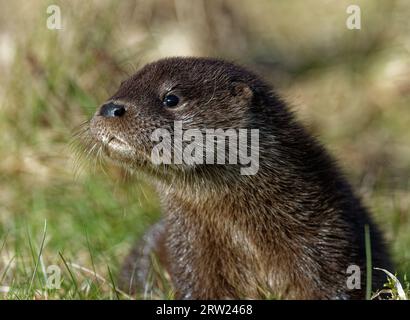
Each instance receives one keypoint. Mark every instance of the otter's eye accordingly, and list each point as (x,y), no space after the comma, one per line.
(170,100)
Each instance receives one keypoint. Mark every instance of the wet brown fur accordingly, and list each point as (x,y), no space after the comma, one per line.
(290,231)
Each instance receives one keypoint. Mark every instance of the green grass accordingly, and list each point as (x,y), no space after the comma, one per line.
(351,88)
(86,225)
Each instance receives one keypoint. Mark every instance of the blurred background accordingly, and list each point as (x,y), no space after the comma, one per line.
(350,87)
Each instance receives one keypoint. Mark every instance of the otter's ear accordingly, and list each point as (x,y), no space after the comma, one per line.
(241,91)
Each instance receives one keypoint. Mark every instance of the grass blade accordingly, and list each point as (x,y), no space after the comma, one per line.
(368,262)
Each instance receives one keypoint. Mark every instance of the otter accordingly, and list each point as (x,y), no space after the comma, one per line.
(289,231)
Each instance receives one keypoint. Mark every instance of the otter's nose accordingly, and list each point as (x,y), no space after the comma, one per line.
(112,110)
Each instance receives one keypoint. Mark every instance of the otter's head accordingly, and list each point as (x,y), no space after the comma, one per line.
(199,93)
